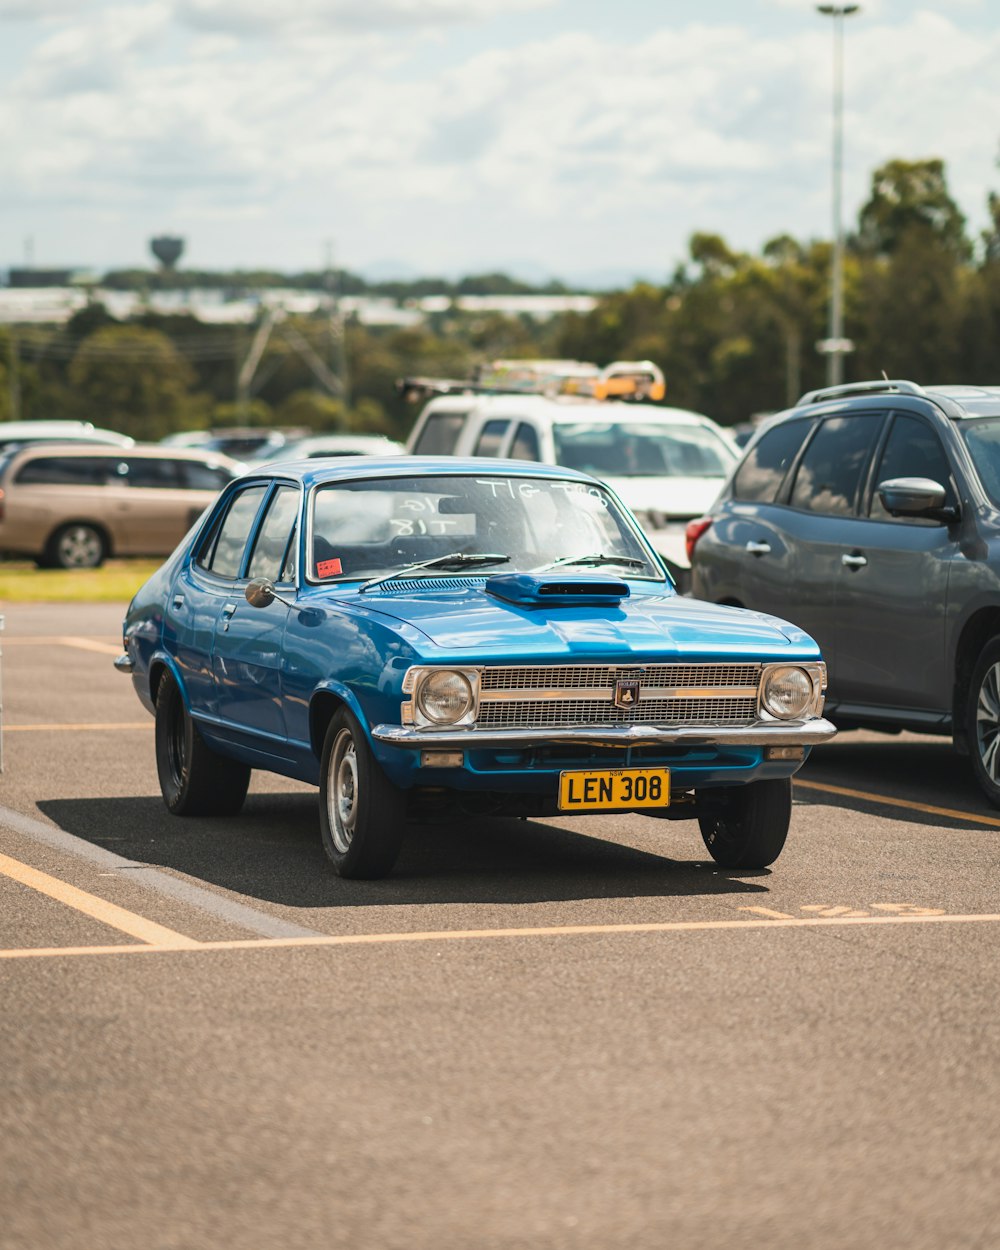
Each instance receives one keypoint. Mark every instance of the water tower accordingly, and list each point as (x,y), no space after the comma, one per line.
(167,249)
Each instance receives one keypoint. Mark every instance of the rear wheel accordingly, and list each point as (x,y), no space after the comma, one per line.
(746,826)
(361,813)
(194,779)
(982,721)
(76,546)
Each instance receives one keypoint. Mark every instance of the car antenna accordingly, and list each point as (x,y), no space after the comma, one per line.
(885,375)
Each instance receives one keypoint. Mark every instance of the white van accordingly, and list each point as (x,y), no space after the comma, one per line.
(666,464)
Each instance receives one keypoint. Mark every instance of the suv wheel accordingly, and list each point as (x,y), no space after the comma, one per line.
(982,721)
(75,546)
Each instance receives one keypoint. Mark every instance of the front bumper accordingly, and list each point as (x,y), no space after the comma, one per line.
(763,733)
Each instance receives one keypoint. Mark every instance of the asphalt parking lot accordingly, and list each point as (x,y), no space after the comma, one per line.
(568,1033)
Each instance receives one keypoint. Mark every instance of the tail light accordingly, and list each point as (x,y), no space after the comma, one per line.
(693,531)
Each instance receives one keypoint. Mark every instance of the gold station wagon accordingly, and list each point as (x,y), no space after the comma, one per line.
(72,505)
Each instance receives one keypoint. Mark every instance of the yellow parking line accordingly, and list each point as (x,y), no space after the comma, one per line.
(464,935)
(97,908)
(65,640)
(83,727)
(886,801)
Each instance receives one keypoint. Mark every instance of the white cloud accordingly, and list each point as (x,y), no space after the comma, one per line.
(256,16)
(555,149)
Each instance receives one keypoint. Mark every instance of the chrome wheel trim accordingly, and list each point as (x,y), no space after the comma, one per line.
(342,791)
(79,547)
(176,744)
(988,723)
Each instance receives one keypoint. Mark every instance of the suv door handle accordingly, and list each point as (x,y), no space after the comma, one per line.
(854,561)
(758,549)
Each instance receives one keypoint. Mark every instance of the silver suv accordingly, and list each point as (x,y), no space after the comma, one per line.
(870,516)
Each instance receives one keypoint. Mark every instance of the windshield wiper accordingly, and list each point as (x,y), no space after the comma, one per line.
(455,559)
(596,558)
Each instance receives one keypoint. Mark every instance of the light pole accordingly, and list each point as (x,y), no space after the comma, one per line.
(835,345)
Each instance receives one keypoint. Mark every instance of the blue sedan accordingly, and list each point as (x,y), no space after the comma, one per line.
(414,634)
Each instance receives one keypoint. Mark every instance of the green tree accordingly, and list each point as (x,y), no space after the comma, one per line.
(907,198)
(132,379)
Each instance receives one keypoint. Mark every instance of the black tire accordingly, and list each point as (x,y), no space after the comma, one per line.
(78,545)
(361,813)
(194,779)
(982,721)
(746,826)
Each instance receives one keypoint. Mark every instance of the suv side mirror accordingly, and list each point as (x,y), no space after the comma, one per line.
(916,497)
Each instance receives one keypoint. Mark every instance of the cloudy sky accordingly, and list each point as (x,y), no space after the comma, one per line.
(568,138)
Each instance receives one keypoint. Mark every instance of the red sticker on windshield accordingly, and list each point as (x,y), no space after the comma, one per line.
(328,568)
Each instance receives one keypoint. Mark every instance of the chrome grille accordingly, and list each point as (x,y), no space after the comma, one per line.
(583,694)
(528,714)
(589,676)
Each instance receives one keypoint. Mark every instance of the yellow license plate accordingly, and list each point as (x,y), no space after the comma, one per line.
(593,791)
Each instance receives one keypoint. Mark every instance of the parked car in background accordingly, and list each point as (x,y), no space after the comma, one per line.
(870,515)
(67,505)
(667,464)
(411,634)
(238,442)
(335,445)
(17,433)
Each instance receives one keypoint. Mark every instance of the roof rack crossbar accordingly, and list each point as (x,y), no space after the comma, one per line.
(884,386)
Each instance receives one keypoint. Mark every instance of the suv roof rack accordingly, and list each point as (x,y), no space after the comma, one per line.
(884,386)
(622,379)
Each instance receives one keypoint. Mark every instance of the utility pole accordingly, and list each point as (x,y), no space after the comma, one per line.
(338,346)
(834,346)
(14,375)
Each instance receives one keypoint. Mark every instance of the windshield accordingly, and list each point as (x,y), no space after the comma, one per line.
(469,526)
(982,437)
(642,449)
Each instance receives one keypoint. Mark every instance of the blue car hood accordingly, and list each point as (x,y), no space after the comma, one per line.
(471,622)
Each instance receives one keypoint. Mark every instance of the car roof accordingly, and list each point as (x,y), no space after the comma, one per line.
(955,400)
(567,409)
(352,468)
(149,451)
(56,431)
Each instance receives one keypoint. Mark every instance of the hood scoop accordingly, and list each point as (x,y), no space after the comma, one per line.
(536,590)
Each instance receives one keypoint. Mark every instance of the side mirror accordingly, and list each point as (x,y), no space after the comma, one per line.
(260,592)
(916,497)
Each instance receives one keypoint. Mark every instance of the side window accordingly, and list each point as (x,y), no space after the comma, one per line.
(911,450)
(759,477)
(491,438)
(148,472)
(525,445)
(65,471)
(440,434)
(831,467)
(271,548)
(198,476)
(223,553)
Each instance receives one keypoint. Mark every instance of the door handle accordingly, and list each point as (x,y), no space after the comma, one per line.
(227,614)
(854,561)
(178,601)
(758,549)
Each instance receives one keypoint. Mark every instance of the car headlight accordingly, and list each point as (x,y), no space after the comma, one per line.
(786,692)
(444,696)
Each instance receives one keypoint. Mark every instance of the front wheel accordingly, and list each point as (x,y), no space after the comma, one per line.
(361,813)
(746,826)
(194,779)
(982,721)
